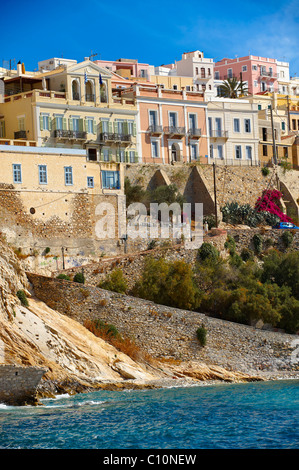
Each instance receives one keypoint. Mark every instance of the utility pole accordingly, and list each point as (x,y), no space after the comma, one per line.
(215,194)
(62,251)
(273,137)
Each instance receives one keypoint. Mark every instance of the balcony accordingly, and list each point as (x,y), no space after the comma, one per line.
(89,97)
(154,129)
(194,133)
(20,135)
(219,134)
(271,75)
(70,135)
(115,138)
(203,77)
(175,131)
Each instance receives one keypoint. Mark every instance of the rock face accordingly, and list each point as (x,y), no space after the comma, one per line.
(18,385)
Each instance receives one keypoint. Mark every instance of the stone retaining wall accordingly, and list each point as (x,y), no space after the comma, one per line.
(170,333)
(18,385)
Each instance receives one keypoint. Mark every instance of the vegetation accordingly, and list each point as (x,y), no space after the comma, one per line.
(163,193)
(22,297)
(232,88)
(238,288)
(265,171)
(244,214)
(63,276)
(114,282)
(201,334)
(79,277)
(269,202)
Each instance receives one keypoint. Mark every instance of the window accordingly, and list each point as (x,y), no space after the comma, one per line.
(187,87)
(285,152)
(42,174)
(153,120)
(68,175)
(236,125)
(248,152)
(238,152)
(90,182)
(192,121)
(155,149)
(90,128)
(106,155)
(105,125)
(259,107)
(203,72)
(294,124)
(264,134)
(254,67)
(255,84)
(244,68)
(265,150)
(110,180)
(283,126)
(92,154)
(175,87)
(172,119)
(217,75)
(263,86)
(193,151)
(210,125)
(247,125)
(45,122)
(220,151)
(230,73)
(211,151)
(17,173)
(132,156)
(59,122)
(2,129)
(131,128)
(218,126)
(121,156)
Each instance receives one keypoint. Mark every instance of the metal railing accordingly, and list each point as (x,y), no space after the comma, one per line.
(115,137)
(234,162)
(263,73)
(173,130)
(194,132)
(20,135)
(89,97)
(64,134)
(219,134)
(155,129)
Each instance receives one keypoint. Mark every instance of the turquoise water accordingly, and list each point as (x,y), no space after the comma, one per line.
(230,416)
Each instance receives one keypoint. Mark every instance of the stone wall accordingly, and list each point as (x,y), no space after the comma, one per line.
(270,237)
(169,333)
(18,385)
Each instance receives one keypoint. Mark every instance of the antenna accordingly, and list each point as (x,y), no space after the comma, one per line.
(92,55)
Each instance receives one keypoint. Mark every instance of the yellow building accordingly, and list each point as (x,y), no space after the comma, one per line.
(173,82)
(71,106)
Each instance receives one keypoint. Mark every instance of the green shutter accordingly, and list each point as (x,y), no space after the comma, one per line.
(101,127)
(50,123)
(126,156)
(115,127)
(134,129)
(70,124)
(125,128)
(136,157)
(41,124)
(64,124)
(94,127)
(85,125)
(81,125)
(110,127)
(110,155)
(101,154)
(54,123)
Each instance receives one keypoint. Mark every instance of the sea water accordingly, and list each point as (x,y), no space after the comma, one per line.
(259,415)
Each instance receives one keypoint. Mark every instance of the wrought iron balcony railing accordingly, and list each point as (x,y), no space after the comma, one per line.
(194,132)
(75,135)
(115,137)
(155,129)
(20,135)
(173,130)
(219,134)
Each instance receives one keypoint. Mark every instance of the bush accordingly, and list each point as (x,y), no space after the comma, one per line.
(63,276)
(265,171)
(115,282)
(210,220)
(22,297)
(247,254)
(257,241)
(201,334)
(230,245)
(79,277)
(208,252)
(244,214)
(287,238)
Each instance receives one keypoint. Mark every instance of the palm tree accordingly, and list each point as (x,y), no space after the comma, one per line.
(232,88)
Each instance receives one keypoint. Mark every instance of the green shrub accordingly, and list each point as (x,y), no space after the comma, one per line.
(247,254)
(265,171)
(257,241)
(287,238)
(210,220)
(47,250)
(79,277)
(230,245)
(115,282)
(201,334)
(22,297)
(63,276)
(208,251)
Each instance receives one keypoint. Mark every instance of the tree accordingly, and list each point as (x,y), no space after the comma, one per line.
(115,282)
(232,88)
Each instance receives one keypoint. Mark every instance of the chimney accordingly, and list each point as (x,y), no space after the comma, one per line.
(19,68)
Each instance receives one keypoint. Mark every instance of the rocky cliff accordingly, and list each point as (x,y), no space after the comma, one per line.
(75,359)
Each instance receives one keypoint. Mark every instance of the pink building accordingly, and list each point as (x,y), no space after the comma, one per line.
(127,68)
(260,73)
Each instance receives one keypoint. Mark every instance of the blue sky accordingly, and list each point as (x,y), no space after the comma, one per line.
(154,32)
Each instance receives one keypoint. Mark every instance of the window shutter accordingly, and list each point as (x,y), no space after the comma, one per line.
(94,127)
(115,127)
(85,125)
(126,156)
(117,156)
(50,123)
(101,153)
(54,123)
(110,127)
(41,123)
(70,124)
(64,124)
(134,129)
(110,155)
(136,157)
(125,128)
(81,124)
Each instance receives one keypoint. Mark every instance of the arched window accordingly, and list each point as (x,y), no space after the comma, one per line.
(203,72)
(89,91)
(76,89)
(103,93)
